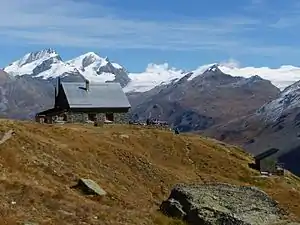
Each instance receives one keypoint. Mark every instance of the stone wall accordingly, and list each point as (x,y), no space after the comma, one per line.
(79,117)
(121,117)
(268,164)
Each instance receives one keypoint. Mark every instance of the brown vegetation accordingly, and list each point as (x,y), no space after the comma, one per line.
(136,166)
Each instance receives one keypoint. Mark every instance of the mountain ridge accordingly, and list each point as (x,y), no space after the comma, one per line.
(47,64)
(157,74)
(281,77)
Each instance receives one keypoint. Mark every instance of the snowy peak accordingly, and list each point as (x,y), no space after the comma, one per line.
(38,55)
(34,63)
(87,59)
(213,69)
(93,61)
(98,69)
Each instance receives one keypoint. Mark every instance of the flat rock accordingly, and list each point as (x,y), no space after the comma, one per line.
(7,135)
(90,187)
(220,203)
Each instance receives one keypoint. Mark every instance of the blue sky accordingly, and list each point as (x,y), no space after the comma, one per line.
(186,34)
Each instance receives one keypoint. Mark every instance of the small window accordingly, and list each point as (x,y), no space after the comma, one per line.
(109,116)
(92,116)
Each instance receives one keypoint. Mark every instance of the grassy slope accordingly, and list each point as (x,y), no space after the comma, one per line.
(136,166)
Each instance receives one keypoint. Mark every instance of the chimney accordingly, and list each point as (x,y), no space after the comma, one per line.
(56,91)
(57,86)
(87,85)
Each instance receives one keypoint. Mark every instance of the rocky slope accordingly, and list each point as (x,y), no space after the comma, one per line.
(22,97)
(40,163)
(274,125)
(199,101)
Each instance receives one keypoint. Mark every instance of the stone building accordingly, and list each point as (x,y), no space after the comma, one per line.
(267,162)
(84,102)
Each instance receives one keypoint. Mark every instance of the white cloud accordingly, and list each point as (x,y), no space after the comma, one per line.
(82,24)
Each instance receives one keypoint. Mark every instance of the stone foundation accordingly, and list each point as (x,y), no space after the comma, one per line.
(78,117)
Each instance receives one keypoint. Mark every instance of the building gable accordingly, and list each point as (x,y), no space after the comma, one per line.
(61,100)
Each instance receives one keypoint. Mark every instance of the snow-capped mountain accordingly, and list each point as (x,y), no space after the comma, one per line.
(98,69)
(47,64)
(288,100)
(164,74)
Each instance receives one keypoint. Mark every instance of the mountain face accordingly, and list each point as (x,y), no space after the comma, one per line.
(47,64)
(199,101)
(274,125)
(21,97)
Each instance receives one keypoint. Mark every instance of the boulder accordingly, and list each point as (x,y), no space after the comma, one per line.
(219,203)
(89,187)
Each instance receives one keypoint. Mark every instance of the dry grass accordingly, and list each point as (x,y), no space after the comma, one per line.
(136,166)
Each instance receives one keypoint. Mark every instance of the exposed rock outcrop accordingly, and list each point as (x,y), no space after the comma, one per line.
(219,203)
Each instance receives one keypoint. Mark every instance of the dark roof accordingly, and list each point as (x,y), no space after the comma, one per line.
(99,95)
(50,112)
(266,154)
